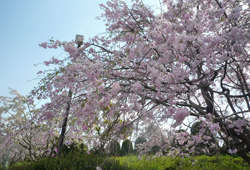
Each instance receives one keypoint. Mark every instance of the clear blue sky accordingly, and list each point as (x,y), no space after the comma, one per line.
(27,23)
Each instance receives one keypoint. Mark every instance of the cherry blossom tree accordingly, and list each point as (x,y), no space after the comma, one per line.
(154,136)
(190,59)
(21,137)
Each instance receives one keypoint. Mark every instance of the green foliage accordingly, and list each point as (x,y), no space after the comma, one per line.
(195,128)
(67,149)
(191,163)
(115,148)
(127,148)
(2,167)
(150,163)
(74,147)
(181,130)
(155,149)
(83,161)
(77,161)
(139,140)
(215,162)
(99,150)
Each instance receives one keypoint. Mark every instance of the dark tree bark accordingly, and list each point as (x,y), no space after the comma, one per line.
(64,126)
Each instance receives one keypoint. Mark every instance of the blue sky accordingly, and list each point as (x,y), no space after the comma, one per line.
(27,23)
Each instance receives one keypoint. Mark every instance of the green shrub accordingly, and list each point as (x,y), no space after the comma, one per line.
(80,161)
(191,163)
(127,148)
(74,160)
(155,149)
(98,150)
(150,163)
(74,147)
(181,130)
(115,148)
(195,129)
(140,140)
(2,167)
(67,149)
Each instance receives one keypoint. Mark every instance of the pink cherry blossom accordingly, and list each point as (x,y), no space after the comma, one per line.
(44,45)
(190,61)
(232,151)
(98,168)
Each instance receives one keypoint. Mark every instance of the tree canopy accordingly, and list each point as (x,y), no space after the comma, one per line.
(189,60)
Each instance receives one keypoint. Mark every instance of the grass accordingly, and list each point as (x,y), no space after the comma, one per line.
(191,163)
(217,162)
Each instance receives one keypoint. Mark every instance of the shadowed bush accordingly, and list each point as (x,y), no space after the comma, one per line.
(127,148)
(74,160)
(195,129)
(115,148)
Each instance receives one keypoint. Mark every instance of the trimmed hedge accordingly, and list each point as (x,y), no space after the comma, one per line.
(127,148)
(115,148)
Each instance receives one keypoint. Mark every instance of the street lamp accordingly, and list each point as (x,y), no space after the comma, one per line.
(79,41)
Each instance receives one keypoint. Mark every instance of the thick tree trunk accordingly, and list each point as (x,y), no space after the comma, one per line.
(208,97)
(245,157)
(64,126)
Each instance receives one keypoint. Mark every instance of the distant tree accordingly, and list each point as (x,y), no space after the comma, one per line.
(21,138)
(127,148)
(115,148)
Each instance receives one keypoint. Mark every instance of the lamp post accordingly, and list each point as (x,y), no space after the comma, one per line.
(79,41)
